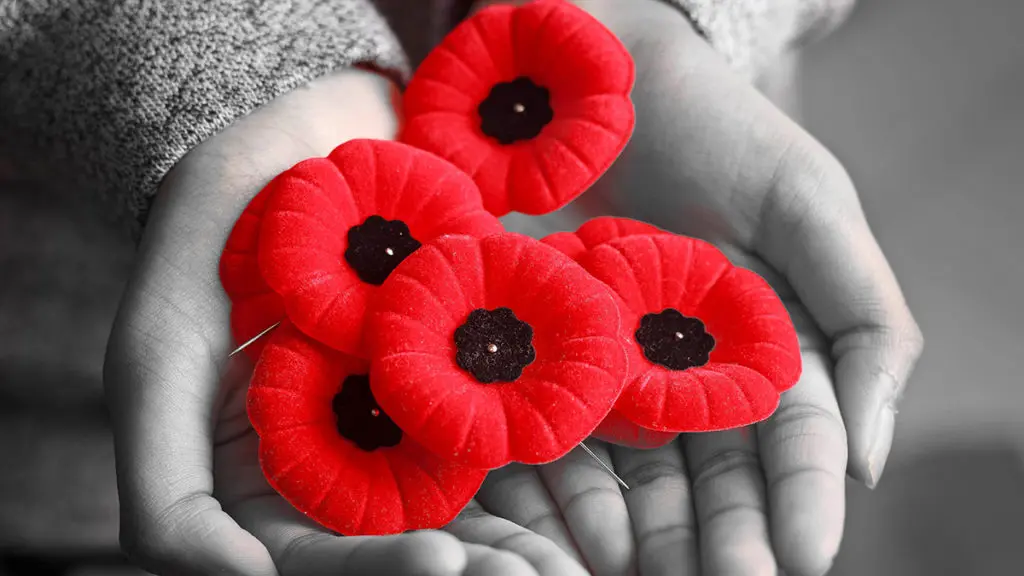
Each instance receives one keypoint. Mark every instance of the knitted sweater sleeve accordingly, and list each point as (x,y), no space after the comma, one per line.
(107,95)
(752,34)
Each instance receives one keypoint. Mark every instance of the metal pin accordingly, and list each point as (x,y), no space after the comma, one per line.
(374,412)
(254,338)
(679,335)
(492,348)
(389,251)
(603,465)
(518,108)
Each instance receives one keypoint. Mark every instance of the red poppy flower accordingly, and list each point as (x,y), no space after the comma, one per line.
(711,345)
(254,306)
(532,101)
(597,231)
(335,455)
(335,227)
(495,350)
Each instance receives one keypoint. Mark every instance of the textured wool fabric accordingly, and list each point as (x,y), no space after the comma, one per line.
(595,232)
(676,383)
(531,101)
(578,367)
(328,477)
(335,226)
(254,306)
(751,34)
(113,93)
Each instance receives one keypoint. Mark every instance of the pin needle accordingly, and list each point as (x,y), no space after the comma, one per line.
(603,465)
(254,338)
(582,445)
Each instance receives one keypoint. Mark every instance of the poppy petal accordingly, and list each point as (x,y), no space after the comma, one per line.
(597,231)
(562,392)
(325,475)
(755,354)
(580,115)
(314,207)
(254,306)
(618,429)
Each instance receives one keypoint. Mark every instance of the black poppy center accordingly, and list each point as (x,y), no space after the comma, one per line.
(675,341)
(494,345)
(516,110)
(377,246)
(359,417)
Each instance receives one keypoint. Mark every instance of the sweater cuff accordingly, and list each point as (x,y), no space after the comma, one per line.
(751,34)
(111,94)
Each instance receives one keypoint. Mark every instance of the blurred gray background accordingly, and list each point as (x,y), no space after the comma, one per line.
(924,102)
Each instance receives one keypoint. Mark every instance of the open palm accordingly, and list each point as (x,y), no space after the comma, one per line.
(713,158)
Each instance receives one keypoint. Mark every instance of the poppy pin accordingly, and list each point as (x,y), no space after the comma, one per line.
(329,448)
(532,101)
(493,350)
(334,228)
(711,345)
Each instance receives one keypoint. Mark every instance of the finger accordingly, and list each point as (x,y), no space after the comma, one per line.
(476,526)
(594,510)
(517,493)
(660,507)
(487,561)
(301,548)
(729,497)
(161,390)
(815,232)
(803,452)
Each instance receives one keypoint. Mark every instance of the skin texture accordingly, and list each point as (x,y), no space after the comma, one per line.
(712,157)
(193,500)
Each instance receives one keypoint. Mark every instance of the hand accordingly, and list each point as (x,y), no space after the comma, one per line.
(711,157)
(192,498)
(474,544)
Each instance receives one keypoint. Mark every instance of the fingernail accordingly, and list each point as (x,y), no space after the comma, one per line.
(879,453)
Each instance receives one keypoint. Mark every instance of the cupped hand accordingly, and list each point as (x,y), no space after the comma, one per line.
(193,500)
(711,157)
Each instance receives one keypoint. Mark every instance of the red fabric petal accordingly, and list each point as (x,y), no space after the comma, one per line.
(618,429)
(326,476)
(756,354)
(589,76)
(254,306)
(597,231)
(313,205)
(561,396)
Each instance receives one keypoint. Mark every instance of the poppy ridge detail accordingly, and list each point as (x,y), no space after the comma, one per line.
(475,298)
(334,228)
(323,449)
(532,101)
(699,328)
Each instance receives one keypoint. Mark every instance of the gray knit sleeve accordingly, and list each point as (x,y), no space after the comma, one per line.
(110,94)
(752,34)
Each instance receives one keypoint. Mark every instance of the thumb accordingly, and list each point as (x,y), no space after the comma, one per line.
(814,231)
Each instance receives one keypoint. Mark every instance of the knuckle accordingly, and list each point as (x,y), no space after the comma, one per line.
(298,548)
(801,419)
(591,498)
(726,462)
(673,535)
(654,472)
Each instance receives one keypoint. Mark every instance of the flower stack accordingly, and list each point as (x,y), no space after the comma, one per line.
(417,345)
